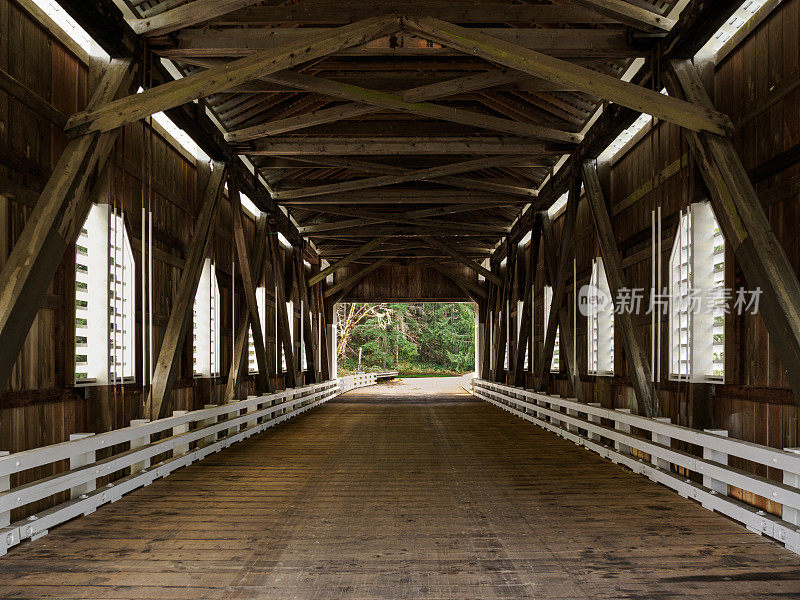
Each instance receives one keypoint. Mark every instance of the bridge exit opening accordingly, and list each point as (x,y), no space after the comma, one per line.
(425,339)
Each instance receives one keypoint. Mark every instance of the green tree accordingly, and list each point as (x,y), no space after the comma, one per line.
(425,337)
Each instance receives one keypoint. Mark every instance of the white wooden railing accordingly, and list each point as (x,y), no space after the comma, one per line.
(584,425)
(351,382)
(136,459)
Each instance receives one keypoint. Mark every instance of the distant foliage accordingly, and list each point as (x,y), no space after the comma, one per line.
(424,338)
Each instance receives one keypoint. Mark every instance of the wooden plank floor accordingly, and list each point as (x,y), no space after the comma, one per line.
(433,496)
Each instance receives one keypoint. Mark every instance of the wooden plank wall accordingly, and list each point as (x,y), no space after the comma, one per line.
(406,283)
(40,405)
(758,84)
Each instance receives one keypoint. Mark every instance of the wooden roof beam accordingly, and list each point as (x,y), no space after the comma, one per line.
(441,174)
(186,15)
(315,146)
(217,79)
(463,260)
(630,14)
(396,102)
(234,43)
(330,12)
(686,114)
(355,254)
(357,109)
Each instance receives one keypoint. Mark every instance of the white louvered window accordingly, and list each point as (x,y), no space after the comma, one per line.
(530,356)
(261,294)
(697,310)
(206,323)
(290,317)
(303,357)
(600,322)
(520,310)
(555,363)
(104,300)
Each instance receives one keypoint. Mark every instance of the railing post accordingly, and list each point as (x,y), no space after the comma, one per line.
(5,485)
(624,428)
(180,449)
(708,454)
(595,437)
(792,515)
(138,443)
(664,440)
(81,460)
(209,439)
(250,409)
(572,413)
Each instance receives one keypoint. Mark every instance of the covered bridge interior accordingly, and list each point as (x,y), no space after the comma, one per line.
(188,188)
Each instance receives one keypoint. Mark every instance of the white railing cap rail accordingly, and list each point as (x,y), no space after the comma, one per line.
(36,457)
(765,455)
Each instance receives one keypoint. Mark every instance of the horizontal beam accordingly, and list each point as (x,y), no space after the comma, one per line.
(439,173)
(298,146)
(331,13)
(464,230)
(205,43)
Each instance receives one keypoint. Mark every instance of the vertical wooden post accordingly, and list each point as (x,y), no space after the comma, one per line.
(158,399)
(81,460)
(524,336)
(239,362)
(635,351)
(283,334)
(180,449)
(561,318)
(309,331)
(139,443)
(250,280)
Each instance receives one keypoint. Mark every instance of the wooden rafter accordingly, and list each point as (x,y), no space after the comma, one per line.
(686,114)
(463,260)
(396,102)
(630,14)
(205,42)
(473,290)
(221,78)
(357,109)
(186,16)
(354,255)
(440,174)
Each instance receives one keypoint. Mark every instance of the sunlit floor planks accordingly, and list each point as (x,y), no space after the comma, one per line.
(408,491)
